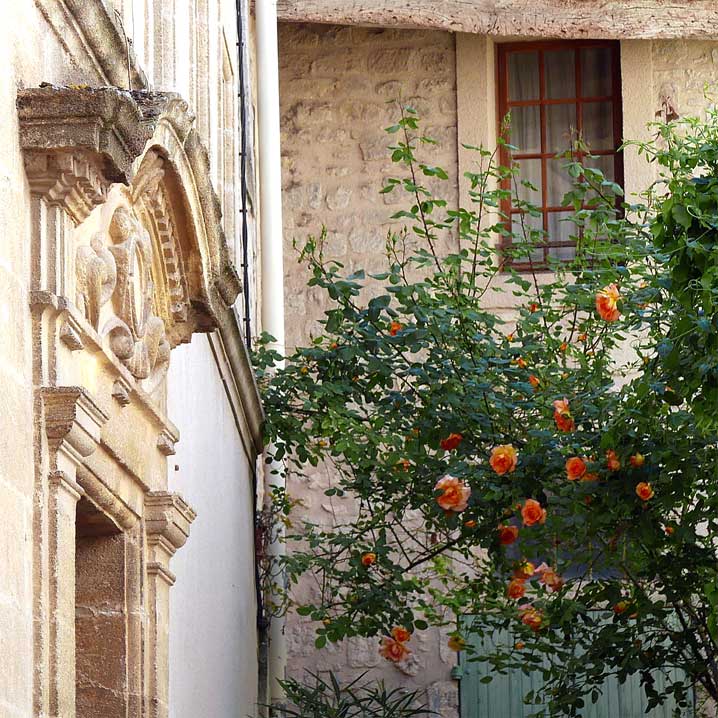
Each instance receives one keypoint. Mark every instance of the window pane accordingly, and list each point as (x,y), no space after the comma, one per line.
(596,72)
(525,131)
(560,127)
(558,182)
(560,230)
(523,76)
(560,69)
(530,171)
(528,238)
(598,125)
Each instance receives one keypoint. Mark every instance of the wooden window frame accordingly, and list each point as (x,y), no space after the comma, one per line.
(579,100)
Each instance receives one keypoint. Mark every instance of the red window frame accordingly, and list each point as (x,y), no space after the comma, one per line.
(579,100)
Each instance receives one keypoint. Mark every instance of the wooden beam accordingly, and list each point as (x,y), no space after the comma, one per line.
(619,19)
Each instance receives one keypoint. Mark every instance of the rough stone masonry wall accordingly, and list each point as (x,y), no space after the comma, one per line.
(334,85)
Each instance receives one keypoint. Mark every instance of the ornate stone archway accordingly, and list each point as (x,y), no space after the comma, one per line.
(128,261)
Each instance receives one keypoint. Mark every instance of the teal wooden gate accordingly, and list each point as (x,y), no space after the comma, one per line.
(502,697)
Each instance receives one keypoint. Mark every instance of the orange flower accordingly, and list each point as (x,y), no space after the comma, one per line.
(563,346)
(575,468)
(534,381)
(520,363)
(549,578)
(644,491)
(589,476)
(470,524)
(368,559)
(510,337)
(519,645)
(456,643)
(395,328)
(612,460)
(524,570)
(607,303)
(392,650)
(637,460)
(516,588)
(403,464)
(450,442)
(454,494)
(507,534)
(400,634)
(531,617)
(503,459)
(670,530)
(582,337)
(562,416)
(533,307)
(621,607)
(532,513)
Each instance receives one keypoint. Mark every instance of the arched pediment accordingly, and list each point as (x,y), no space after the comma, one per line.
(145,261)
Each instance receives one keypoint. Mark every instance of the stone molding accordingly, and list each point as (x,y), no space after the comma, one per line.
(618,19)
(168,516)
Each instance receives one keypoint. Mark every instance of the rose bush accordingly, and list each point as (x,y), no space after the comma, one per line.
(576,432)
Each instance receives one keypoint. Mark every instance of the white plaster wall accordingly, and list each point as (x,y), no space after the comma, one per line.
(213,638)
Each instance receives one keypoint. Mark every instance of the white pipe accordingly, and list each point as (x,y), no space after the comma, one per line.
(272,277)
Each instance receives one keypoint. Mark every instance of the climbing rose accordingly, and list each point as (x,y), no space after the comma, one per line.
(507,534)
(637,460)
(454,494)
(612,460)
(368,559)
(503,459)
(451,442)
(562,416)
(644,491)
(534,381)
(393,650)
(620,607)
(549,578)
(400,634)
(516,588)
(524,570)
(532,513)
(575,468)
(395,328)
(456,643)
(531,617)
(607,303)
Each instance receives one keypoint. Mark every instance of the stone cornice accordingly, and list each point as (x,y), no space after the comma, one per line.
(167,518)
(619,19)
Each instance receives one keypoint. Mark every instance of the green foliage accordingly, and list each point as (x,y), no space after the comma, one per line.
(327,698)
(452,338)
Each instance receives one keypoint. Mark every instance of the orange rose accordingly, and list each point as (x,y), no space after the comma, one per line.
(400,634)
(519,645)
(533,307)
(644,491)
(607,303)
(612,460)
(450,442)
(516,588)
(503,459)
(637,460)
(670,530)
(582,337)
(395,328)
(531,617)
(454,494)
(621,607)
(521,363)
(534,381)
(575,468)
(562,416)
(403,464)
(456,643)
(589,476)
(524,570)
(470,524)
(532,513)
(392,650)
(563,346)
(507,534)
(368,559)
(549,578)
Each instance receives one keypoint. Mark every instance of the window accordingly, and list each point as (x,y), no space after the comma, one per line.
(556,92)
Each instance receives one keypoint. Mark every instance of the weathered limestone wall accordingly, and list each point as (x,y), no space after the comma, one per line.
(334,85)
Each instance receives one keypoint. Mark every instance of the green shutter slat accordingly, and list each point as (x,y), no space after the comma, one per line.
(503,696)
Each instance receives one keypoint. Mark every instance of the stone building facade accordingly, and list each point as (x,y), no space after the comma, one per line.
(122,332)
(340,63)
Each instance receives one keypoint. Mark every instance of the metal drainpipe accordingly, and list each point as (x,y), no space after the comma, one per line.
(272,274)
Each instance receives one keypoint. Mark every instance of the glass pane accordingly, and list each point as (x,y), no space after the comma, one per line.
(561,230)
(596,72)
(560,70)
(560,127)
(598,125)
(528,238)
(558,182)
(523,76)
(529,171)
(525,131)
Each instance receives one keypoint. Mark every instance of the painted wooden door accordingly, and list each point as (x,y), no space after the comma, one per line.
(502,697)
